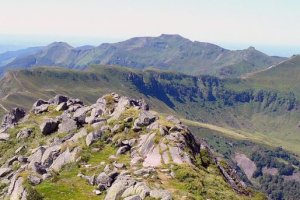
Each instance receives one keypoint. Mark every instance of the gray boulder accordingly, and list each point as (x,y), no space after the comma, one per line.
(67,125)
(122,105)
(49,126)
(92,137)
(118,187)
(103,180)
(62,106)
(4,136)
(36,157)
(58,99)
(39,103)
(145,118)
(40,109)
(133,197)
(64,158)
(34,180)
(82,133)
(74,101)
(4,171)
(123,150)
(16,188)
(143,105)
(80,114)
(38,168)
(13,117)
(117,128)
(161,194)
(25,133)
(140,189)
(50,154)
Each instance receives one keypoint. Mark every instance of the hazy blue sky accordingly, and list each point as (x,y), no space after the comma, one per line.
(270,25)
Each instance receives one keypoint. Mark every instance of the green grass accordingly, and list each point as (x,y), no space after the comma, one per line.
(68,186)
(268,138)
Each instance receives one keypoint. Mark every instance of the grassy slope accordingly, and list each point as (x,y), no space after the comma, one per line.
(283,77)
(256,137)
(24,87)
(251,119)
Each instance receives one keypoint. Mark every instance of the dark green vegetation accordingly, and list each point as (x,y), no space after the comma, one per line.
(167,52)
(278,186)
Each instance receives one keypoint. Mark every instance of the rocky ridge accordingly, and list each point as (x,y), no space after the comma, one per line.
(150,153)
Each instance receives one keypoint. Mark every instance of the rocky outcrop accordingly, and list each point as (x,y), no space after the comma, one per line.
(49,126)
(145,148)
(12,118)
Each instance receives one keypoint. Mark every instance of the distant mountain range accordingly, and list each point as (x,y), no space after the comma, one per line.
(252,121)
(167,52)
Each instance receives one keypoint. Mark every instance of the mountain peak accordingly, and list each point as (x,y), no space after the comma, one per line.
(59,44)
(251,48)
(171,36)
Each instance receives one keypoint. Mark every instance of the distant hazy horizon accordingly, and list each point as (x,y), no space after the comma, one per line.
(269,25)
(16,42)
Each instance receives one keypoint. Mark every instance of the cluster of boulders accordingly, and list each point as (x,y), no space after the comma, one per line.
(154,146)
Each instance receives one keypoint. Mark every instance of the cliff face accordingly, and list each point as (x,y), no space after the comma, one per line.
(114,149)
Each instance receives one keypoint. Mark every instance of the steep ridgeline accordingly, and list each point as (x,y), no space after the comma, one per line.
(168,52)
(113,149)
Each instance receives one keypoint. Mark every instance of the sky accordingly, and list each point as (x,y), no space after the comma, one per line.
(270,25)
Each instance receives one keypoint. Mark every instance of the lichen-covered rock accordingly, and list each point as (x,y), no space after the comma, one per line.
(64,158)
(67,125)
(145,118)
(118,187)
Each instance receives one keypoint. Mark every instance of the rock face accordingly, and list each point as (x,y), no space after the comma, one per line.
(135,153)
(12,117)
(49,126)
